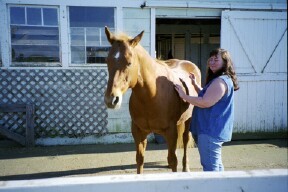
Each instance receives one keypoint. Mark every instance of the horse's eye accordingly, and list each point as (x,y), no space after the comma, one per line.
(129,62)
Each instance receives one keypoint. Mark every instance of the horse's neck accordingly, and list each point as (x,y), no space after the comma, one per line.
(147,72)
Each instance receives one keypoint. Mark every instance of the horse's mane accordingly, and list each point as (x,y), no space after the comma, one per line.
(120,36)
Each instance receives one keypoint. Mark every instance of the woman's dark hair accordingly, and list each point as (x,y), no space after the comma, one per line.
(228,68)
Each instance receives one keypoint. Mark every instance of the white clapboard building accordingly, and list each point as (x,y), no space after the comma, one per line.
(52,55)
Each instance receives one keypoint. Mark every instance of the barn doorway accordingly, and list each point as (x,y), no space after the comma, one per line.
(190,39)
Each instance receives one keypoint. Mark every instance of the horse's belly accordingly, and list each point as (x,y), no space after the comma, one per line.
(159,120)
(144,119)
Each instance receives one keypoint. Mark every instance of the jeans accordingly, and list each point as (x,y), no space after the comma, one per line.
(210,153)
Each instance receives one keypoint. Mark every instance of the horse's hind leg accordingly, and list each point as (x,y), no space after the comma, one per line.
(140,139)
(171,139)
(185,161)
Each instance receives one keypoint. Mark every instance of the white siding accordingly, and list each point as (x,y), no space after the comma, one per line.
(136,20)
(261,106)
(119,120)
(257,42)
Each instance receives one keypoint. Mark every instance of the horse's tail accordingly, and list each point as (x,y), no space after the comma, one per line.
(180,141)
(181,129)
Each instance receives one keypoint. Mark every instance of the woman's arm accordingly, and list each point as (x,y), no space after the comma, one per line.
(213,94)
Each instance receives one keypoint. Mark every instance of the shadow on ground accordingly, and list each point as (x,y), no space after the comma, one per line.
(11,150)
(128,168)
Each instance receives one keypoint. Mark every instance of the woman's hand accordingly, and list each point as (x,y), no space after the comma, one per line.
(193,78)
(180,91)
(197,87)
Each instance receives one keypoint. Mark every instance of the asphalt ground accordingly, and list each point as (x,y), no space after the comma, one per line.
(20,163)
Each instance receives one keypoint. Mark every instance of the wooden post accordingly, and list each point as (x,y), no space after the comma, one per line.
(30,126)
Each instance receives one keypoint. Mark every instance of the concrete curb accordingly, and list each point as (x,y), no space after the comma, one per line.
(232,181)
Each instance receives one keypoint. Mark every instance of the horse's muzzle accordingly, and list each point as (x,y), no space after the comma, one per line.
(113,102)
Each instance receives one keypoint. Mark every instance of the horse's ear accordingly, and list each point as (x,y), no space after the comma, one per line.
(109,35)
(135,41)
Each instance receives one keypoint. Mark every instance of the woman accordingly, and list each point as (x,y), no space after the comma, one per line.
(213,114)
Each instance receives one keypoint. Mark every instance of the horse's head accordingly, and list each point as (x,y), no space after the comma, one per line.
(122,65)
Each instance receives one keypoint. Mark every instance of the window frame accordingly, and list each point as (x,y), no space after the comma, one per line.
(34,64)
(70,64)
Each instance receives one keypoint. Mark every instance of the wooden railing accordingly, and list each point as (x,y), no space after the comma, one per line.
(28,139)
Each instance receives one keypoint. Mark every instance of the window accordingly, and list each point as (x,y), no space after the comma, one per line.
(34,35)
(88,43)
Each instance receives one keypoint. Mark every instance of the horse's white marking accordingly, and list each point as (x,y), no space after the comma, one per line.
(117,55)
(117,99)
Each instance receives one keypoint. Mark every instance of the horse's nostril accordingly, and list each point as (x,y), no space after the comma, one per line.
(115,100)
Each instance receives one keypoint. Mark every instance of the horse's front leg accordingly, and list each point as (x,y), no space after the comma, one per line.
(140,139)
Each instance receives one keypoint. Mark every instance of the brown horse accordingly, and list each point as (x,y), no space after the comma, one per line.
(154,104)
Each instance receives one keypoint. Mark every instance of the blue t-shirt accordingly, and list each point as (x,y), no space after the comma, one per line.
(217,120)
